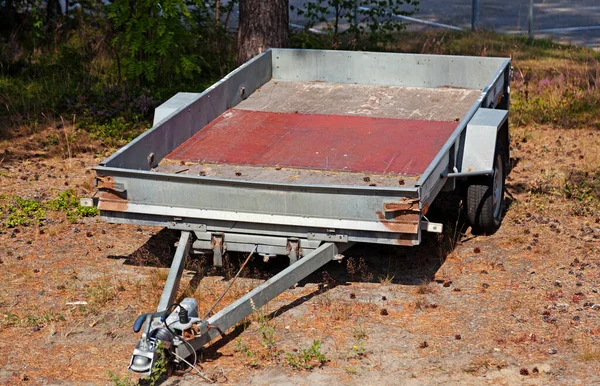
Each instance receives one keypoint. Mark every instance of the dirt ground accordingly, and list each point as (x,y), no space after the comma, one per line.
(519,307)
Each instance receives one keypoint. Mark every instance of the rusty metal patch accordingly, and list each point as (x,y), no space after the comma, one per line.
(105,183)
(112,201)
(401,217)
(112,196)
(398,226)
(405,204)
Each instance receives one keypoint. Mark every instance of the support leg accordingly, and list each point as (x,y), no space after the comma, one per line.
(218,247)
(293,248)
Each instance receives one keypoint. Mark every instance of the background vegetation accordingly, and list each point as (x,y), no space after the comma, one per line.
(104,67)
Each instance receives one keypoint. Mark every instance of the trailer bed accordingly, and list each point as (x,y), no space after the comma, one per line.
(326,133)
(310,145)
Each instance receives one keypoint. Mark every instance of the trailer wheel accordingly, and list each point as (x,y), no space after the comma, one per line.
(485,197)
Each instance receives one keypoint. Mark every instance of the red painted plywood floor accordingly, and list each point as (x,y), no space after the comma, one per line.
(315,141)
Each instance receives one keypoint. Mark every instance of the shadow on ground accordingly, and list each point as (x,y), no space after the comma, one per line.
(157,252)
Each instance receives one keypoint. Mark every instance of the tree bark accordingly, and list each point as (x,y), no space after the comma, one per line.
(263,24)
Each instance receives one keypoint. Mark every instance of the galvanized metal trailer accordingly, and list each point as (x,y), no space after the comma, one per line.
(302,153)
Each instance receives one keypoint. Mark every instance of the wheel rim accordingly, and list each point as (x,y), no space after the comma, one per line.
(497,187)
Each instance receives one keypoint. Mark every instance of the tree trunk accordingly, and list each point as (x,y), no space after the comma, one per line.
(263,24)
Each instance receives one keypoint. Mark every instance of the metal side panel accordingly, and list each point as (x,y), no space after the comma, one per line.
(432,186)
(372,225)
(351,208)
(147,150)
(387,69)
(480,140)
(174,103)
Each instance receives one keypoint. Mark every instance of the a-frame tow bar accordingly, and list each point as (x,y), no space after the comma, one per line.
(178,328)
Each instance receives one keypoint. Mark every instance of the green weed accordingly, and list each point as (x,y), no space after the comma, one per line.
(11,319)
(116,380)
(583,189)
(44,319)
(307,358)
(68,202)
(582,186)
(387,279)
(267,334)
(159,368)
(242,348)
(99,293)
(266,330)
(24,212)
(358,349)
(351,370)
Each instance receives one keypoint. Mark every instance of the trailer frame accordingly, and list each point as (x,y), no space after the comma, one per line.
(310,223)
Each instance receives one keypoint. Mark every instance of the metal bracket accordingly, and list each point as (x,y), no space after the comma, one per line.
(327,237)
(445,174)
(180,226)
(267,256)
(339,257)
(432,227)
(218,246)
(293,249)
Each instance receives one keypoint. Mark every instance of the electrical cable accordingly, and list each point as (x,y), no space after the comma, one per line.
(192,366)
(192,349)
(231,283)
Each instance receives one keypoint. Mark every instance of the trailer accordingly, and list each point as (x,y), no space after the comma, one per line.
(303,153)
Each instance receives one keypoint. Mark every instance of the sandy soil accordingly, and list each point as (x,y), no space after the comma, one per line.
(519,307)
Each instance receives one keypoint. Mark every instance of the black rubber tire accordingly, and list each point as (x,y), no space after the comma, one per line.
(484,213)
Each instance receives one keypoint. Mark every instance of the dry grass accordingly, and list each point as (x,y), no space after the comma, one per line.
(420,304)
(100,293)
(481,365)
(546,227)
(424,288)
(588,349)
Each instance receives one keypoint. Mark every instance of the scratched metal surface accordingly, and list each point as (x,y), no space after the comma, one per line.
(440,104)
(317,141)
(286,175)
